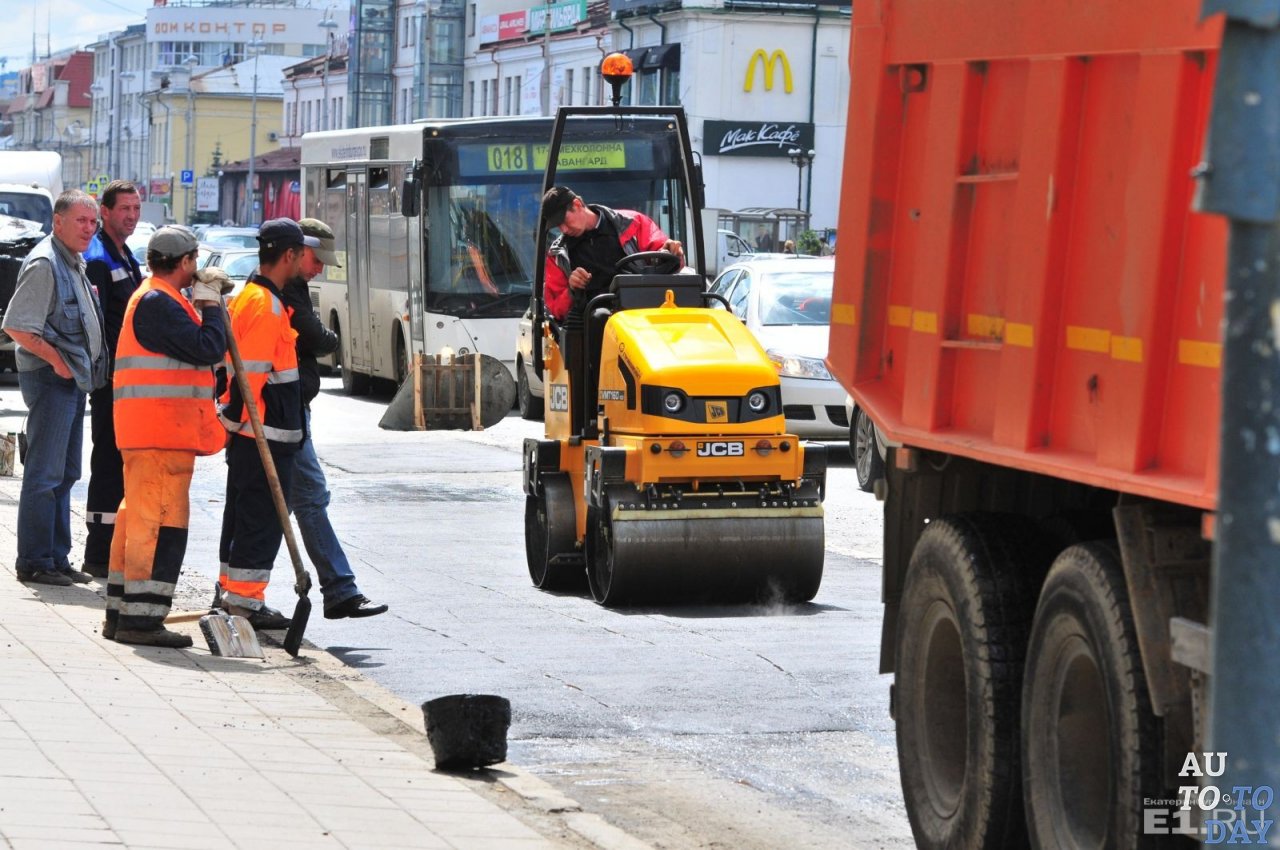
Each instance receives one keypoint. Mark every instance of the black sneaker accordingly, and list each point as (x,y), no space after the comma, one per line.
(355,606)
(153,637)
(56,579)
(76,576)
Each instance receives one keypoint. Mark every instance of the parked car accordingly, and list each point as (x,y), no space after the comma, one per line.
(528,384)
(238,263)
(243,237)
(867,446)
(786,303)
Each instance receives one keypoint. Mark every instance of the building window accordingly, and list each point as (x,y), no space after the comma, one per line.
(471,19)
(471,96)
(588,86)
(568,87)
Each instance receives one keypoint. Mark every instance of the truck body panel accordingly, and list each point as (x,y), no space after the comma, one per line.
(1020,277)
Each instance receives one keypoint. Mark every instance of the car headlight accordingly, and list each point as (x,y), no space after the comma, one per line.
(795,366)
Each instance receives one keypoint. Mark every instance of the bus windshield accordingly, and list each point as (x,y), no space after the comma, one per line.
(486,191)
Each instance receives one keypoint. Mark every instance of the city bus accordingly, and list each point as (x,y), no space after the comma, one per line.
(435,226)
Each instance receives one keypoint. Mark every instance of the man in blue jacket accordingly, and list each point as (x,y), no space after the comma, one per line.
(114,272)
(56,321)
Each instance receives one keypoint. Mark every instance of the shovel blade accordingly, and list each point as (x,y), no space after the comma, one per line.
(298,625)
(230,636)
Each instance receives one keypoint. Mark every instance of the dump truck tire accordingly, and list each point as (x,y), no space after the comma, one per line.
(962,634)
(1090,740)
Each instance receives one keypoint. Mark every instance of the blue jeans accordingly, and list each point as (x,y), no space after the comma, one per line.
(55,435)
(309,502)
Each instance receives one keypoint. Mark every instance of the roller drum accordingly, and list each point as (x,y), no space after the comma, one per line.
(678,556)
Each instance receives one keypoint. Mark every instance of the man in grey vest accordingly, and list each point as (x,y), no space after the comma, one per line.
(56,320)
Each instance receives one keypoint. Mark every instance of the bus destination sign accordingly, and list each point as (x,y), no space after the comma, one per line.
(518,158)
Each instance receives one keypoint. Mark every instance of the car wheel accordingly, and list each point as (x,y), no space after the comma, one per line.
(866,453)
(531,407)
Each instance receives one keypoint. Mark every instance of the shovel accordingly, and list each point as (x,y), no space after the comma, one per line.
(301,613)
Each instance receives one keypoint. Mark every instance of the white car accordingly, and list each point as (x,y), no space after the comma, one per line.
(528,384)
(786,304)
(238,263)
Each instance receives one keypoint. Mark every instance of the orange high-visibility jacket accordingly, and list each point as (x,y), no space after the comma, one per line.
(260,322)
(161,402)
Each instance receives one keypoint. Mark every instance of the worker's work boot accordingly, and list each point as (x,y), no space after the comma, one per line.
(153,637)
(109,629)
(263,618)
(96,569)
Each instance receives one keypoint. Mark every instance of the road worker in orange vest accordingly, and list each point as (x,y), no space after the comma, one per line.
(165,416)
(250,527)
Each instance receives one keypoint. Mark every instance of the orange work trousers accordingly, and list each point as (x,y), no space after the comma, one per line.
(150,538)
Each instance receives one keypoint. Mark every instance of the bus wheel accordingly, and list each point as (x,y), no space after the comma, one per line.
(401,358)
(962,631)
(1090,738)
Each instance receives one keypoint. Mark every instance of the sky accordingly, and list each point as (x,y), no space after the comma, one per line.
(62,24)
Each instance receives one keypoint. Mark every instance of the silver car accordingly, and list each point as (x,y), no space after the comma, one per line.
(528,384)
(786,304)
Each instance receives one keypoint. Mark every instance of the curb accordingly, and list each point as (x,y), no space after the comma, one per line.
(534,791)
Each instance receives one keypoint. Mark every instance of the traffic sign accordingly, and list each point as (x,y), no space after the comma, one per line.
(188,177)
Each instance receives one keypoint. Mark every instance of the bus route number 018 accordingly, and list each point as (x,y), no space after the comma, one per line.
(509,158)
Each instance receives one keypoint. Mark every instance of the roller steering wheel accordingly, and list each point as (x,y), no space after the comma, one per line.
(649,262)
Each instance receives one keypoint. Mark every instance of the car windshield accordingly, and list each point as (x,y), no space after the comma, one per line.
(239,266)
(796,298)
(241,238)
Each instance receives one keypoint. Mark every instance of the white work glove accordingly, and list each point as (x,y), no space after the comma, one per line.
(210,285)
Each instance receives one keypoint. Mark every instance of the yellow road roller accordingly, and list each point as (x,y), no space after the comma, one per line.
(666,473)
(687,487)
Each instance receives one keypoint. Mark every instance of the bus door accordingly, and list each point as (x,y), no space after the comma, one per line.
(358,272)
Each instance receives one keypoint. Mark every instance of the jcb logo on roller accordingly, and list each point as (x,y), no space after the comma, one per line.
(720,448)
(559,400)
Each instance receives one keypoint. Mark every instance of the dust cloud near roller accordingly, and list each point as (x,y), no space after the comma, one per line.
(445,392)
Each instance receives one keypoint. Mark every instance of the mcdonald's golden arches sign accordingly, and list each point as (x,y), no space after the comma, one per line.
(768,62)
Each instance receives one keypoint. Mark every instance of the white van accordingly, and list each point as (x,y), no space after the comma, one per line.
(29,183)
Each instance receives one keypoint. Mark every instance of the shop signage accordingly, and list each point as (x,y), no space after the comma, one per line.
(234,24)
(755,138)
(512,25)
(563,16)
(767,62)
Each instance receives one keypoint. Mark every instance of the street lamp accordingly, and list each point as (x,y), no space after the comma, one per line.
(191,62)
(255,47)
(329,25)
(124,162)
(801,159)
(98,89)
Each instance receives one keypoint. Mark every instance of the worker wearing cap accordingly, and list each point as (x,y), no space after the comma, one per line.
(260,323)
(309,495)
(593,238)
(165,416)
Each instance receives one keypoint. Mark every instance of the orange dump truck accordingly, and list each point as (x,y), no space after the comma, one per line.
(1029,308)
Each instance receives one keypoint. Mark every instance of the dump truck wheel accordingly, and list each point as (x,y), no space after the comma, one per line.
(867,462)
(962,630)
(1090,739)
(550,530)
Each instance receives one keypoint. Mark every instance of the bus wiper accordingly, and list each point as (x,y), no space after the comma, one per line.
(500,301)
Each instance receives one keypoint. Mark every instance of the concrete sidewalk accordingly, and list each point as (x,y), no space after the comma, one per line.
(104,743)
